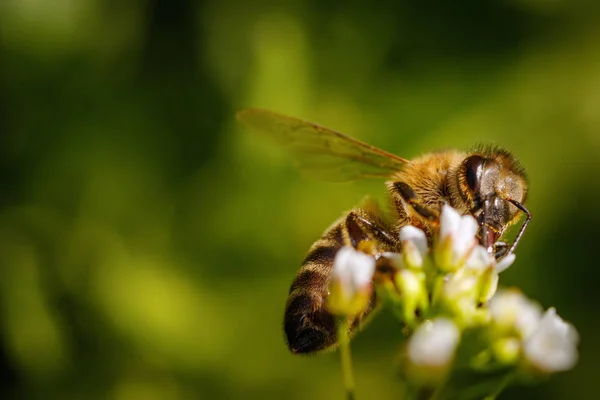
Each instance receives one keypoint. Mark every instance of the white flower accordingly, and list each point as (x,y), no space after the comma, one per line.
(434,343)
(353,270)
(414,246)
(471,285)
(552,346)
(456,238)
(479,259)
(461,293)
(549,343)
(511,310)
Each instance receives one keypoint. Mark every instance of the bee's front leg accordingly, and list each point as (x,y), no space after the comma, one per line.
(412,199)
(501,249)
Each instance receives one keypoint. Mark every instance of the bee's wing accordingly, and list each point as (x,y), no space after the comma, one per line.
(321,152)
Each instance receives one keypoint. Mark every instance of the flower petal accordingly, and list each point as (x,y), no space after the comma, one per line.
(552,346)
(415,235)
(468,227)
(511,310)
(353,269)
(505,262)
(465,236)
(479,259)
(449,222)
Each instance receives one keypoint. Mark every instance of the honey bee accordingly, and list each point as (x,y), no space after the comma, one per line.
(486,182)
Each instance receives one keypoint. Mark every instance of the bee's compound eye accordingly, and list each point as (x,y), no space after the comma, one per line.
(473,170)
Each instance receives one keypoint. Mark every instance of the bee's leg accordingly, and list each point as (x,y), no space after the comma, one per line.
(361,229)
(501,249)
(412,199)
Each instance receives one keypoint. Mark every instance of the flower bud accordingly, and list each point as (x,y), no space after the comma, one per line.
(507,350)
(456,239)
(434,343)
(413,293)
(414,246)
(488,283)
(350,288)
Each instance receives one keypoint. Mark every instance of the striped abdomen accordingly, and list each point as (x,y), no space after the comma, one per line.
(308,325)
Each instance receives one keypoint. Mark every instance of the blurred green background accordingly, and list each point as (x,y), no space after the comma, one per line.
(147,243)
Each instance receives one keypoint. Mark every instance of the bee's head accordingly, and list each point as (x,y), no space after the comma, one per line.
(494,187)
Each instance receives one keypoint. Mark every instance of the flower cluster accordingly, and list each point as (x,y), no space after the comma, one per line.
(446,295)
(546,342)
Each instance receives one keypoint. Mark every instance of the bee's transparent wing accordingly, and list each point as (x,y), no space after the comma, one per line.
(322,153)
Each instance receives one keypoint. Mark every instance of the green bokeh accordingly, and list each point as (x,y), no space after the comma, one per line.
(147,243)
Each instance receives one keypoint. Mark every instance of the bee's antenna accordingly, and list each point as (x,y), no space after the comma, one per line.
(523,227)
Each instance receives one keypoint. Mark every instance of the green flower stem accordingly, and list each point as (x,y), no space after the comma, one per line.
(503,384)
(344,342)
(438,392)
